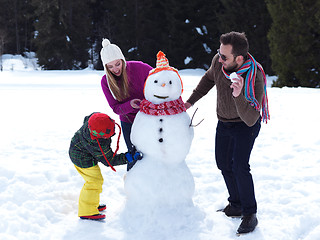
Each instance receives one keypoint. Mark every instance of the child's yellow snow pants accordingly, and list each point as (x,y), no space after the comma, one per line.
(90,194)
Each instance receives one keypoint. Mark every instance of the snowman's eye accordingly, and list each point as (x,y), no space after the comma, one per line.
(155,81)
(170,82)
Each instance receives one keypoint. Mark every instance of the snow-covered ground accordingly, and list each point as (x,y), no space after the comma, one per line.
(39,187)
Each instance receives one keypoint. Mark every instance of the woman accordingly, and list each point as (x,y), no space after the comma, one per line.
(123,85)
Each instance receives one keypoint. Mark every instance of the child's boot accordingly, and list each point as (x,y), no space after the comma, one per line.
(96,217)
(102,207)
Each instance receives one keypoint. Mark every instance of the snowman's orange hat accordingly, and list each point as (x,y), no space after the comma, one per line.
(163,64)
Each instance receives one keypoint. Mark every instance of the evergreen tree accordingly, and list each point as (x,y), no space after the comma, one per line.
(127,30)
(184,30)
(251,17)
(116,20)
(204,32)
(146,30)
(62,34)
(295,42)
(179,38)
(137,27)
(154,31)
(100,28)
(16,26)
(160,25)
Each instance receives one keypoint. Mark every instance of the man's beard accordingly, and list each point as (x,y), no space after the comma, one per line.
(232,68)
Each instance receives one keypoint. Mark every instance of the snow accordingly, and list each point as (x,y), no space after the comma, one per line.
(233,77)
(18,62)
(39,187)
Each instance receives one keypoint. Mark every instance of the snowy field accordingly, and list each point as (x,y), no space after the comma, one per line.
(39,186)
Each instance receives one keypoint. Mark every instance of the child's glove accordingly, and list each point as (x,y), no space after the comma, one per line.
(129,157)
(137,156)
(133,155)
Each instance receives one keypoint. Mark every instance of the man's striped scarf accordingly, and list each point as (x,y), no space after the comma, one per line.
(251,66)
(166,108)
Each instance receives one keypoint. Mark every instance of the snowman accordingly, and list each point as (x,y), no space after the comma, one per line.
(161,184)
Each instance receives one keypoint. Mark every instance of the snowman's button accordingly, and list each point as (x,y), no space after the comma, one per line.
(160,130)
(161,119)
(161,140)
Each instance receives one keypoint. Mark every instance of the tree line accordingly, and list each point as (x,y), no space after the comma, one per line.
(284,35)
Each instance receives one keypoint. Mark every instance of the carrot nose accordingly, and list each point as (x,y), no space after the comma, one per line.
(163,84)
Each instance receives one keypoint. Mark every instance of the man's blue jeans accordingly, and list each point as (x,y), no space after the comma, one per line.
(234,142)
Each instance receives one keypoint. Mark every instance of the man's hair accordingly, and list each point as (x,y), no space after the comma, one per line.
(238,41)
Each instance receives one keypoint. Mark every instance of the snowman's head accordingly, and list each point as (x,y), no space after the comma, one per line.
(162,87)
(163,83)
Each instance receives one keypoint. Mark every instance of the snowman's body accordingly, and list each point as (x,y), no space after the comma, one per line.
(161,137)
(162,178)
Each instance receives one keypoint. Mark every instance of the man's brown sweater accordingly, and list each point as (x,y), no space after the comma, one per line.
(229,108)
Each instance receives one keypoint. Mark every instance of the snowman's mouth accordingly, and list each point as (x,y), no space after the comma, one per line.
(162,97)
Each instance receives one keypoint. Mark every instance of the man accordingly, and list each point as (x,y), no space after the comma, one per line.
(239,101)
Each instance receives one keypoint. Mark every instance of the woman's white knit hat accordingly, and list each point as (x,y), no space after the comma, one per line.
(110,52)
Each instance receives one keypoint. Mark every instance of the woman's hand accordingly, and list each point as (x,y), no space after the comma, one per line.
(135,103)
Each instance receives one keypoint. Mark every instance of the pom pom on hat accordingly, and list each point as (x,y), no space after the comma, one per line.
(110,52)
(105,42)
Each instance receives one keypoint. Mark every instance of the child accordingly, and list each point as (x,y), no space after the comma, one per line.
(92,144)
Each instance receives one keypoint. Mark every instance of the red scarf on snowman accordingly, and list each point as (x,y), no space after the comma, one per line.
(166,108)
